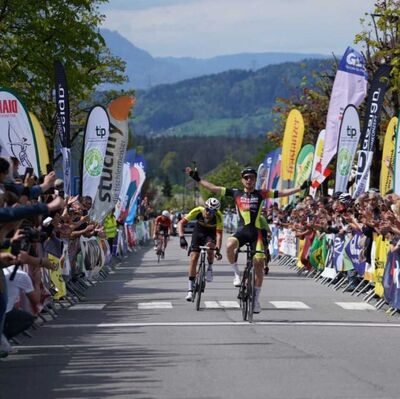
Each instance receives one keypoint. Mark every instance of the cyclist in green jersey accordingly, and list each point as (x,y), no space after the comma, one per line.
(207,231)
(249,207)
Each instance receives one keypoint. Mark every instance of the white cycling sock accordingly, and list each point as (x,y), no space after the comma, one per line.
(190,285)
(258,292)
(235,268)
(209,266)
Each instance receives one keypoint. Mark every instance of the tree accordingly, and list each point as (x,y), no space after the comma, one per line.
(167,188)
(34,34)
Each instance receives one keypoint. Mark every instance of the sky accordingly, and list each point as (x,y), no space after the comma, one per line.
(208,28)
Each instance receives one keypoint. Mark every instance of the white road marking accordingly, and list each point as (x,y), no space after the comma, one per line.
(212,305)
(228,323)
(355,306)
(229,304)
(289,305)
(88,306)
(155,305)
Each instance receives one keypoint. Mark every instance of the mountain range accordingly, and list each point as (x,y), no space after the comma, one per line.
(145,71)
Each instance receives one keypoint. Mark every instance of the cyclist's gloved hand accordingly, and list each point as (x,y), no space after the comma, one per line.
(218,254)
(305,185)
(194,174)
(183,242)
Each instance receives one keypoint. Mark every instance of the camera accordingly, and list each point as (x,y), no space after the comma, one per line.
(31,235)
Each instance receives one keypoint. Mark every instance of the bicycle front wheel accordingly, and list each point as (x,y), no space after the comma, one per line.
(251,294)
(201,284)
(243,294)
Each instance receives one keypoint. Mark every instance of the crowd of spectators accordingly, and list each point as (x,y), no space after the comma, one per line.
(371,214)
(40,230)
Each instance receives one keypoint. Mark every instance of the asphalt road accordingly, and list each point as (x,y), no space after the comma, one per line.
(135,336)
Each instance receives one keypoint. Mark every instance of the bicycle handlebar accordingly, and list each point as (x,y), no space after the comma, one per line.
(245,251)
(207,248)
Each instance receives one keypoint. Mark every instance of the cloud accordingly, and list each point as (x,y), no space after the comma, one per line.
(204,28)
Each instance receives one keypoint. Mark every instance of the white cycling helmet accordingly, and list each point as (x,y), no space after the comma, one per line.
(212,203)
(165,213)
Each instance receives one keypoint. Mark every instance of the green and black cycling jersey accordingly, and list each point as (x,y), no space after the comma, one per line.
(214,223)
(249,204)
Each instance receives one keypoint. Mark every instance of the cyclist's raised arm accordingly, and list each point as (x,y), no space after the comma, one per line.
(206,184)
(285,192)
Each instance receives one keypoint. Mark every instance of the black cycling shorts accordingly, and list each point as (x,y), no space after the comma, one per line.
(253,236)
(163,230)
(201,237)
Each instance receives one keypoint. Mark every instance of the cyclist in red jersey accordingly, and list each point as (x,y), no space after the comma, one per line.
(163,225)
(249,208)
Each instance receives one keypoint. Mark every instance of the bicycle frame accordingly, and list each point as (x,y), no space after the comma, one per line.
(247,286)
(200,282)
(160,245)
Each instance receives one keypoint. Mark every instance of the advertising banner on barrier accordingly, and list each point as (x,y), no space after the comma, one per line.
(354,250)
(388,158)
(95,141)
(40,143)
(292,141)
(391,279)
(338,248)
(376,95)
(319,149)
(349,134)
(329,269)
(111,176)
(349,87)
(17,138)
(63,122)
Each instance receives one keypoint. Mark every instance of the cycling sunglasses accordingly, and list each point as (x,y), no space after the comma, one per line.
(249,177)
(212,211)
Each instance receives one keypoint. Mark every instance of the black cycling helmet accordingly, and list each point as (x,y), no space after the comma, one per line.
(248,170)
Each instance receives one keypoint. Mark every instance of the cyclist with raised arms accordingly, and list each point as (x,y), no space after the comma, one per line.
(207,231)
(163,225)
(249,207)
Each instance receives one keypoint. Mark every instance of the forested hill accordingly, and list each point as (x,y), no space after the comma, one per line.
(168,156)
(233,103)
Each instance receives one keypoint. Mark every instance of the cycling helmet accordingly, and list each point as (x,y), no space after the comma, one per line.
(248,170)
(345,199)
(165,213)
(212,203)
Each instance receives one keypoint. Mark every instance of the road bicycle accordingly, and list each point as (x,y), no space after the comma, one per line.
(246,290)
(160,246)
(200,281)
